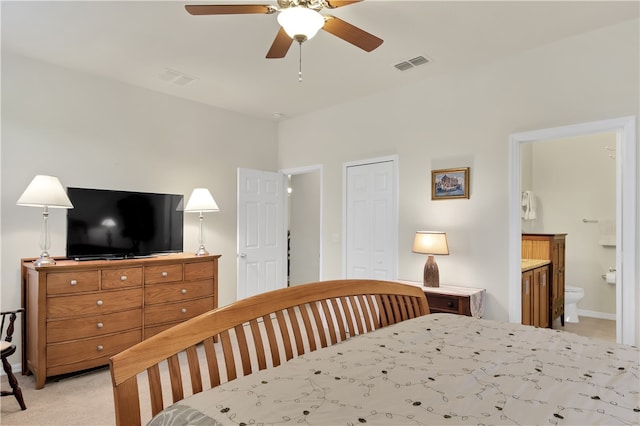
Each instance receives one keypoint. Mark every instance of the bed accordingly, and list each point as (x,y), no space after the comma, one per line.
(385,362)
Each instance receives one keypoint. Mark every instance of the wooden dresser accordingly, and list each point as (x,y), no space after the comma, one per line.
(79,314)
(549,247)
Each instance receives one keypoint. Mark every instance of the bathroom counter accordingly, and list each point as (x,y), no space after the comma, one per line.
(529,264)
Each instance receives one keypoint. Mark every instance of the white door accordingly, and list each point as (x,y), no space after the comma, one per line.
(262,215)
(371,224)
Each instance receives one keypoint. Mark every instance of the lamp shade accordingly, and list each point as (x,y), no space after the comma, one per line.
(427,242)
(45,191)
(201,200)
(300,22)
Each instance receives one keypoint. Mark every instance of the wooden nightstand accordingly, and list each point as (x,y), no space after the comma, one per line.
(453,299)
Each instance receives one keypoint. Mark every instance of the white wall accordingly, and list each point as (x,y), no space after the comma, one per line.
(465,119)
(574,179)
(92,132)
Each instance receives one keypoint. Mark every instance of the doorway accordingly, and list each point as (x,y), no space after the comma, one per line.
(626,207)
(264,218)
(575,195)
(304,227)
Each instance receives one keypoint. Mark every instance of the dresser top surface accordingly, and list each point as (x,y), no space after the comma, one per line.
(446,289)
(62,263)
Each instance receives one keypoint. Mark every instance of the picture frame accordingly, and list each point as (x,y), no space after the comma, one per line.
(449,184)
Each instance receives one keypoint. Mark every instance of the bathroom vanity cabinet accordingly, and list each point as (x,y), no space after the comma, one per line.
(549,247)
(535,292)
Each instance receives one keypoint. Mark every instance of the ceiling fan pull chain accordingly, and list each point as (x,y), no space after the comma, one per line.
(300,63)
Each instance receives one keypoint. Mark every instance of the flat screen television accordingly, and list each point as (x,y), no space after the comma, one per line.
(110,224)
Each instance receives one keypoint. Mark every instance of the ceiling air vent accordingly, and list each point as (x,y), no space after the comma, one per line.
(418,60)
(411,63)
(403,66)
(176,77)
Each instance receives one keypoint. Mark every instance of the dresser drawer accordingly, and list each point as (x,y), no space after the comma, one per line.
(167,293)
(97,325)
(153,330)
(72,282)
(94,303)
(171,312)
(97,347)
(120,278)
(162,274)
(198,271)
(443,303)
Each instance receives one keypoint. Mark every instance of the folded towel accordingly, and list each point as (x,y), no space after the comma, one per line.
(607,232)
(528,205)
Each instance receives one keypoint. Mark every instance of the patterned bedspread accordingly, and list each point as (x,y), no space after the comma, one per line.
(437,369)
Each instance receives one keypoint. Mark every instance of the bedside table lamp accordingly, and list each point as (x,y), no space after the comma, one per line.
(431,243)
(201,201)
(46,192)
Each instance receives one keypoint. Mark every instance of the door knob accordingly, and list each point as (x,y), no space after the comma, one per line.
(242,255)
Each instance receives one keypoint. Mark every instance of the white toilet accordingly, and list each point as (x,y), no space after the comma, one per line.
(572,295)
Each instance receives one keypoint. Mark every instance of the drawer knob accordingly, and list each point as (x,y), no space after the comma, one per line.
(99,325)
(450,304)
(99,303)
(123,277)
(183,310)
(73,282)
(165,274)
(100,348)
(183,291)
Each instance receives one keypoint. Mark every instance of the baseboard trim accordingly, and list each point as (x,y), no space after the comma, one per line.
(595,314)
(16,368)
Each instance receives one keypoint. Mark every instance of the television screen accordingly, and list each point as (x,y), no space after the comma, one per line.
(117,224)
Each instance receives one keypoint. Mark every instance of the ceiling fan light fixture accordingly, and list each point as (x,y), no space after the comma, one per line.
(300,23)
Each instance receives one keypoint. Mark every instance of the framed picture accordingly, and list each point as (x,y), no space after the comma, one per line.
(450,183)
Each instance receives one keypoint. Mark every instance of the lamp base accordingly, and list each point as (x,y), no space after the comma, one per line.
(431,274)
(44,261)
(202,251)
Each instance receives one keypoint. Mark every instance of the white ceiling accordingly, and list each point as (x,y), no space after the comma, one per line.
(137,41)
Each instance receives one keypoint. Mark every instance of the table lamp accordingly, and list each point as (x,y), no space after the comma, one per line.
(46,192)
(431,243)
(201,201)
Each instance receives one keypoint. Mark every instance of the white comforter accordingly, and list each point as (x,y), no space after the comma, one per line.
(437,369)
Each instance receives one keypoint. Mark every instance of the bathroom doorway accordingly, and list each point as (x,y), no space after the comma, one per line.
(626,233)
(575,195)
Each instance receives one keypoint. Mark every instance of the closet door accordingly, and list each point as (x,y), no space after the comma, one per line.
(371,224)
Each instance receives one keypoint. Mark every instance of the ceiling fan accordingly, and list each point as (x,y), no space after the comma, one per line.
(300,20)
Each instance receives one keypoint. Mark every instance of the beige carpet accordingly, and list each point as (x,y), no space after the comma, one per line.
(76,400)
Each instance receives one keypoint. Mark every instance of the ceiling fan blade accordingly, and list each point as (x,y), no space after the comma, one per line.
(229,9)
(332,4)
(351,33)
(280,45)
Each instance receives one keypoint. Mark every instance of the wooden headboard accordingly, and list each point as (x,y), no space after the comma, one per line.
(254,334)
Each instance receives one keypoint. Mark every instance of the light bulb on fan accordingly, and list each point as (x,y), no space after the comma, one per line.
(300,23)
